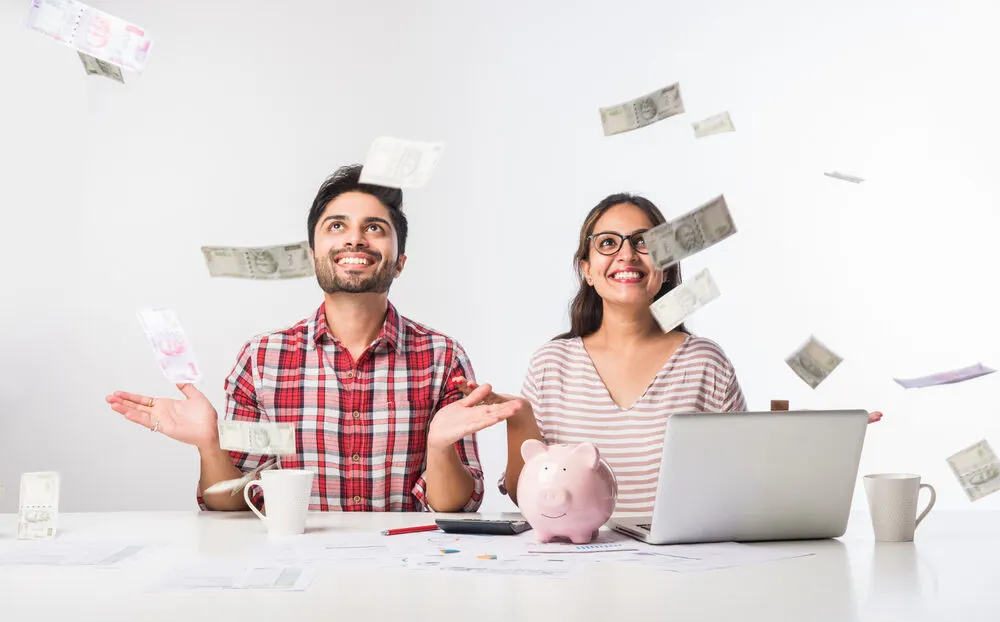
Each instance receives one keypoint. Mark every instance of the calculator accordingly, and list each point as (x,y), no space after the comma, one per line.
(482,526)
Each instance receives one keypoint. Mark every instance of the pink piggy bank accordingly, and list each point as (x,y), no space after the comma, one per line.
(565,490)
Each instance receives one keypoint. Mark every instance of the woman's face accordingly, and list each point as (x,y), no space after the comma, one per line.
(626,277)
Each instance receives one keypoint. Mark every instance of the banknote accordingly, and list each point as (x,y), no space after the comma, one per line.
(90,31)
(715,124)
(39,505)
(399,163)
(691,233)
(946,377)
(977,469)
(170,345)
(265,263)
(844,177)
(642,111)
(813,362)
(98,67)
(236,486)
(269,439)
(681,302)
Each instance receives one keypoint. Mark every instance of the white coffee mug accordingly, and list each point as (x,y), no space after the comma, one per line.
(286,500)
(892,501)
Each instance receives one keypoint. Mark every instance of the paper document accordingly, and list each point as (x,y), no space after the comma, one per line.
(55,553)
(218,577)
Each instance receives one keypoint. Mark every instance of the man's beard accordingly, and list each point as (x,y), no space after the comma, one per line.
(331,282)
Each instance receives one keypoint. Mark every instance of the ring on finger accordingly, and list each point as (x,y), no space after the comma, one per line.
(149,402)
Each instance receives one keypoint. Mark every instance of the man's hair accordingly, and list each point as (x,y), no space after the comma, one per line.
(348,179)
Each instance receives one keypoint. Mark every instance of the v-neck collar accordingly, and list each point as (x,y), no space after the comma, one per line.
(666,366)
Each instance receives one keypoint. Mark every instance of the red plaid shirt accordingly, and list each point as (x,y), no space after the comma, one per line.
(361,426)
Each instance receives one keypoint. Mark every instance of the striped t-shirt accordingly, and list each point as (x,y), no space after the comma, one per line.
(572,405)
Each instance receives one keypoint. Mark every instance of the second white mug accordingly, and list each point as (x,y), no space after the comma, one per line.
(892,501)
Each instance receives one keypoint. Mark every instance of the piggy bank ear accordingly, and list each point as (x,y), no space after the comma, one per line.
(587,454)
(531,448)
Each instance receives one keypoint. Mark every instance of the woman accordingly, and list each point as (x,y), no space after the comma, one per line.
(616,377)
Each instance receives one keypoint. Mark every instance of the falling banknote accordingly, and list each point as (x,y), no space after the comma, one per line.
(90,31)
(642,111)
(39,505)
(977,469)
(813,362)
(269,439)
(170,345)
(98,67)
(236,486)
(691,233)
(679,303)
(716,124)
(267,263)
(844,177)
(946,377)
(398,163)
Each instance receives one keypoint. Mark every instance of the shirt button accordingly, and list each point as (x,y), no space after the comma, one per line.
(355,414)
(350,374)
(357,498)
(355,457)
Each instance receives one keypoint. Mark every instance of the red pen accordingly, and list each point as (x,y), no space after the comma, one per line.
(396,532)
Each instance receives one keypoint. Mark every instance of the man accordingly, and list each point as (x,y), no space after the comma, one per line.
(371,393)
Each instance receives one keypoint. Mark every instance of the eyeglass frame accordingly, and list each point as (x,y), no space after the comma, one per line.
(621,244)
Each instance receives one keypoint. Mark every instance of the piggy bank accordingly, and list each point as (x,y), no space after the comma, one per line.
(565,491)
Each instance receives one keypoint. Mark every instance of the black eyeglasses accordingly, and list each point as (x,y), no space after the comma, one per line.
(609,242)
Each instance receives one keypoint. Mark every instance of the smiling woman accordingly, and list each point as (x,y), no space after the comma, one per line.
(615,377)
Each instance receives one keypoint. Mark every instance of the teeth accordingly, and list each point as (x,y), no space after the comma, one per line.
(618,276)
(354,260)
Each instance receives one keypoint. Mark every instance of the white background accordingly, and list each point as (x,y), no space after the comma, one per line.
(108,191)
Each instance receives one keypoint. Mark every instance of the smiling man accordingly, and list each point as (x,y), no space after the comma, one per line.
(377,415)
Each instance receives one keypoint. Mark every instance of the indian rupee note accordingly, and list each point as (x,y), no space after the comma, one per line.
(39,505)
(266,438)
(170,345)
(684,300)
(398,163)
(265,263)
(716,124)
(92,32)
(946,377)
(813,362)
(98,67)
(977,470)
(642,111)
(690,233)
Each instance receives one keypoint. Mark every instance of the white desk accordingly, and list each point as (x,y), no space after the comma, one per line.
(951,572)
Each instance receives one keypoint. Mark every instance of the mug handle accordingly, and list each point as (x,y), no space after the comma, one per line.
(929,505)
(246,497)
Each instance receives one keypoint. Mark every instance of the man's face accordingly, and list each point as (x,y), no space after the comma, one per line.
(354,249)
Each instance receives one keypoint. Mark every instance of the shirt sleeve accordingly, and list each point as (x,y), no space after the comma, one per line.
(734,401)
(529,391)
(468,451)
(242,405)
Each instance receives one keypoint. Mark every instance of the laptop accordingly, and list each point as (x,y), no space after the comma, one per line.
(749,477)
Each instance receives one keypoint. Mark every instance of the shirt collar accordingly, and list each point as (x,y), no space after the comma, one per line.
(391,333)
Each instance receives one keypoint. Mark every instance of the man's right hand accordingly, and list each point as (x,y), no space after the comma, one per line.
(192,420)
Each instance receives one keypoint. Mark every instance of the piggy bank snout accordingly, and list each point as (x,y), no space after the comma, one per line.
(553,499)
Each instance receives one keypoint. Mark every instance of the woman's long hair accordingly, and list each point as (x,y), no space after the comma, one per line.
(586,312)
